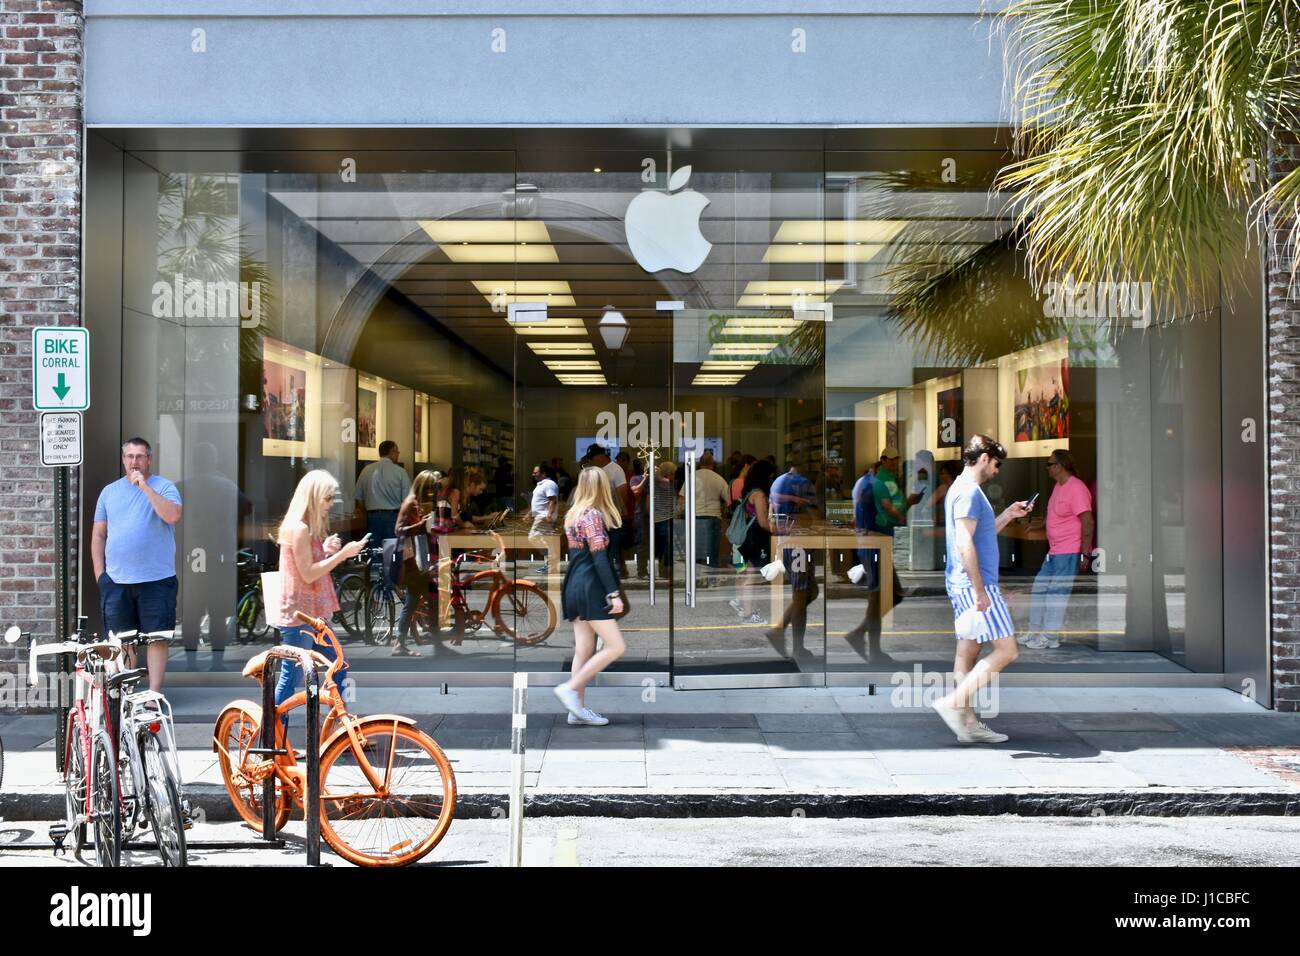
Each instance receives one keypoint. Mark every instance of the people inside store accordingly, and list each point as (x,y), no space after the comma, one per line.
(419,560)
(563,480)
(879,507)
(1068,520)
(794,500)
(598,455)
(133,550)
(712,495)
(740,468)
(754,533)
(381,487)
(591,596)
(308,553)
(545,509)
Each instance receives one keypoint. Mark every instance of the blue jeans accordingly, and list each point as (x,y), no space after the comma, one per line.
(290,672)
(1051,592)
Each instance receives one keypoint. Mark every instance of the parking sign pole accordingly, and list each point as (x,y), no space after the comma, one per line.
(61,609)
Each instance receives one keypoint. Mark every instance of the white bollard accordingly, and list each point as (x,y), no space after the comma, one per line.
(518,737)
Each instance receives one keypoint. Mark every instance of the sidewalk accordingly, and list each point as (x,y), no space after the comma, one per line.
(832,752)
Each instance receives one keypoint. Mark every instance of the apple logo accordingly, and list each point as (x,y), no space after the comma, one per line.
(663,228)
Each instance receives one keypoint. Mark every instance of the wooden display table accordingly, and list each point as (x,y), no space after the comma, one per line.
(830,538)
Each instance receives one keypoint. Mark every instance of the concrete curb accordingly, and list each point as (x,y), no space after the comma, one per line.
(484,804)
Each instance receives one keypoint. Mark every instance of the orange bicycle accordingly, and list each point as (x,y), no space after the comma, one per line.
(387,791)
(482,594)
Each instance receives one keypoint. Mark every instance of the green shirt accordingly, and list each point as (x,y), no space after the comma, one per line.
(885,487)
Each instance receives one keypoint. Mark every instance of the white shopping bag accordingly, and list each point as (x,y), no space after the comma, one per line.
(772,571)
(272,593)
(972,625)
(857,573)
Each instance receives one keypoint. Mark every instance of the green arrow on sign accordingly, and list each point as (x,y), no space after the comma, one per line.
(61,389)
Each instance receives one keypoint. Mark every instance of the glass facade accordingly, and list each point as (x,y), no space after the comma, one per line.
(495,310)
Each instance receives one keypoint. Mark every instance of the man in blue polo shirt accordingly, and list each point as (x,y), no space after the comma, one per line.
(133,549)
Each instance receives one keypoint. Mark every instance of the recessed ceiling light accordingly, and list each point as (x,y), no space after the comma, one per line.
(562,348)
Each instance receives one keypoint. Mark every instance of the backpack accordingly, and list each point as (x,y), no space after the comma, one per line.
(738,530)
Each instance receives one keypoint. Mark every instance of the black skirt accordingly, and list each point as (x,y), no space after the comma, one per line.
(583,595)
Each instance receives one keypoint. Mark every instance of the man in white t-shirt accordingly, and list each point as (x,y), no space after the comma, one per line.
(599,456)
(545,507)
(712,495)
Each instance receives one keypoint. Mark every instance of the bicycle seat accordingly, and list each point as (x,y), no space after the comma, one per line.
(125,677)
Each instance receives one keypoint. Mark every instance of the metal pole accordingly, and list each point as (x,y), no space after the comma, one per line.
(689,488)
(313,803)
(518,736)
(268,747)
(650,554)
(61,610)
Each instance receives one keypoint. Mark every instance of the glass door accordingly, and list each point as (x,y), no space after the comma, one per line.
(748,392)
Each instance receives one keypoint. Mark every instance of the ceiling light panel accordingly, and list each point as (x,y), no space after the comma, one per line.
(552,326)
(562,348)
(839,230)
(573,365)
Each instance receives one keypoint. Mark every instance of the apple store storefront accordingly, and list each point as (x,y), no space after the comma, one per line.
(799,303)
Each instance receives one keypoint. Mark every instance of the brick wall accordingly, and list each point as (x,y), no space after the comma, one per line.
(40,259)
(1284,450)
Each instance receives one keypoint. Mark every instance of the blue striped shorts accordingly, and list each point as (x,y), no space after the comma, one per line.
(998,615)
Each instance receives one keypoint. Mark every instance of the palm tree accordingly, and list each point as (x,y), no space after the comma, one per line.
(1143,130)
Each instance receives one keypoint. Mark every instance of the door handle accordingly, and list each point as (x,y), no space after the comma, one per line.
(650,477)
(689,489)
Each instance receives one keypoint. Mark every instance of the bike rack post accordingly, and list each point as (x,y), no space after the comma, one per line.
(518,746)
(268,747)
(311,801)
(311,805)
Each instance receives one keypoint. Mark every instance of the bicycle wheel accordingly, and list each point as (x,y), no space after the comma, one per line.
(238,730)
(351,591)
(524,612)
(133,797)
(410,813)
(383,614)
(164,801)
(251,617)
(75,783)
(105,802)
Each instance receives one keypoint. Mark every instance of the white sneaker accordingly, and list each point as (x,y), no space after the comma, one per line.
(755,618)
(736,606)
(1038,642)
(569,698)
(955,720)
(1052,640)
(981,733)
(1024,637)
(588,718)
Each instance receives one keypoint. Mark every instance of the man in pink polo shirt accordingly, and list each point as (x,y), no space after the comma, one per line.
(1069,538)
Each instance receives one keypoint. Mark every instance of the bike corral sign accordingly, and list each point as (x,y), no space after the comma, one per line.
(60,369)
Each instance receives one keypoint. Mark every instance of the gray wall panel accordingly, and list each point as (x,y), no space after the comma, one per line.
(874,68)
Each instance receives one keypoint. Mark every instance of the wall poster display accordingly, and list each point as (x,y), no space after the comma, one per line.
(1034,400)
(422,403)
(944,417)
(372,402)
(290,401)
